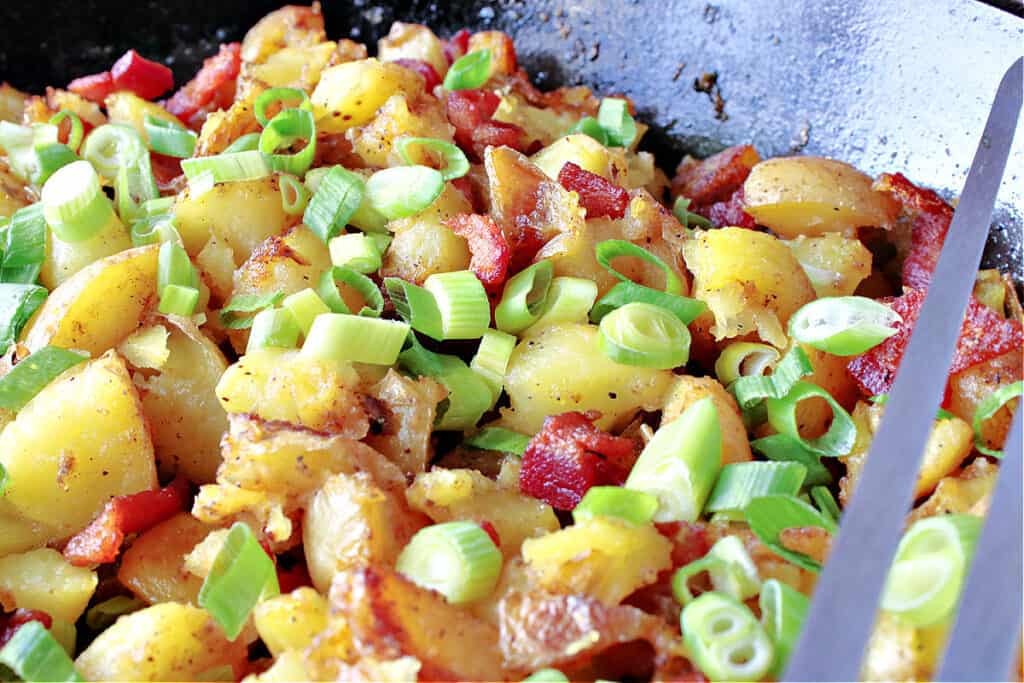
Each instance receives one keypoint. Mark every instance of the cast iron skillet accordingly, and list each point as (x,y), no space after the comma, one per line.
(884,84)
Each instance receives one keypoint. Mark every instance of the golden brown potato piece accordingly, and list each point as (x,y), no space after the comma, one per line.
(899,652)
(153,567)
(969,491)
(970,387)
(750,281)
(80,441)
(814,415)
(399,117)
(812,195)
(224,126)
(413,41)
(688,390)
(290,26)
(289,67)
(43,580)
(835,264)
(12,103)
(349,94)
(409,407)
(129,109)
(386,614)
(291,621)
(165,642)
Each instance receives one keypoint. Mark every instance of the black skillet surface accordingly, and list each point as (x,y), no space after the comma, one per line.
(884,84)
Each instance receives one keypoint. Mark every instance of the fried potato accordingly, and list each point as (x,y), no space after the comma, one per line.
(413,41)
(64,259)
(970,387)
(409,407)
(834,264)
(153,567)
(43,580)
(424,245)
(129,109)
(290,26)
(290,621)
(688,390)
(349,94)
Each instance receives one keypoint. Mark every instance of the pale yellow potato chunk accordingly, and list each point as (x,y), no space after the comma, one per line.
(130,109)
(580,149)
(834,264)
(153,566)
(18,534)
(291,621)
(64,259)
(424,245)
(413,41)
(400,116)
(294,67)
(80,441)
(349,94)
(43,580)
(812,196)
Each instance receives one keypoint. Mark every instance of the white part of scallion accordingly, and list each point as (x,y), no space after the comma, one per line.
(457,559)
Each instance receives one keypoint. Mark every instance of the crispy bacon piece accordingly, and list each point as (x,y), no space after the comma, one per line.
(487,244)
(144,77)
(931,216)
(716,178)
(491,531)
(457,45)
(294,577)
(984,335)
(10,623)
(568,456)
(730,213)
(214,83)
(100,542)
(94,88)
(599,196)
(166,170)
(470,111)
(424,69)
(689,540)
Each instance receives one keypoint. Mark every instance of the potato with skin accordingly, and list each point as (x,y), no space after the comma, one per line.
(562,368)
(165,642)
(129,109)
(43,580)
(153,566)
(688,390)
(80,441)
(64,259)
(413,41)
(349,94)
(98,307)
(290,621)
(410,407)
(750,280)
(970,387)
(812,196)
(835,264)
(424,245)
(290,26)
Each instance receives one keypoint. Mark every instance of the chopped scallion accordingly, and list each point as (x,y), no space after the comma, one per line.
(524,297)
(74,204)
(280,96)
(725,640)
(844,325)
(689,219)
(336,198)
(77,130)
(768,516)
(294,195)
(31,375)
(133,187)
(636,507)
(743,359)
(469,71)
(463,304)
(608,250)
(415,306)
(357,250)
(546,676)
(782,614)
(402,191)
(52,156)
(305,306)
(35,655)
(646,336)
(781,448)
(823,498)
(491,359)
(227,167)
(498,439)
(728,564)
(589,126)
(179,300)
(616,121)
(245,143)
(741,482)
(353,338)
(752,389)
(327,289)
(111,146)
(23,246)
(17,304)
(283,132)
(455,163)
(624,293)
(835,442)
(174,268)
(247,303)
(168,138)
(569,300)
(457,559)
(469,395)
(273,327)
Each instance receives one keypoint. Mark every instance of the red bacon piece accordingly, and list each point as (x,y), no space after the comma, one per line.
(424,69)
(716,178)
(94,87)
(524,244)
(470,111)
(18,618)
(984,335)
(491,531)
(142,76)
(487,244)
(599,196)
(101,541)
(730,213)
(294,577)
(568,456)
(931,216)
(213,84)
(165,170)
(457,45)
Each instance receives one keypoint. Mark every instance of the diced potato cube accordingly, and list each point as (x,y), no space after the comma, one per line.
(43,580)
(350,94)
(835,264)
(413,41)
(153,567)
(291,621)
(130,109)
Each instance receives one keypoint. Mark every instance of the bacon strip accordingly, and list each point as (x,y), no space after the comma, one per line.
(728,213)
(471,112)
(216,76)
(568,456)
(931,216)
(100,542)
(599,196)
(716,178)
(487,244)
(10,624)
(142,76)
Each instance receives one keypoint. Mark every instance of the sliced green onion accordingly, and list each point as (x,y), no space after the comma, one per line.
(569,300)
(455,163)
(469,395)
(823,498)
(294,195)
(844,325)
(134,186)
(403,190)
(357,251)
(74,204)
(646,336)
(33,654)
(614,118)
(358,339)
(327,288)
(491,359)
(52,156)
(741,359)
(769,515)
(336,198)
(457,559)
(247,303)
(928,571)
(305,306)
(463,303)
(33,374)
(589,126)
(179,300)
(174,268)
(3,479)
(66,635)
(284,130)
(19,144)
(158,206)
(169,138)
(782,614)
(636,507)
(469,71)
(751,390)
(681,210)
(249,142)
(17,304)
(523,299)
(741,482)
(77,129)
(624,293)
(731,570)
(273,327)
(111,146)
(201,184)
(242,575)
(272,96)
(23,246)
(610,249)
(227,167)
(103,614)
(988,407)
(546,676)
(415,306)
(498,439)
(680,463)
(724,639)
(841,434)
(781,448)
(154,230)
